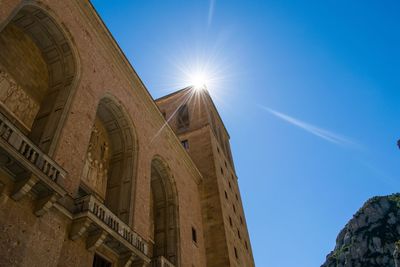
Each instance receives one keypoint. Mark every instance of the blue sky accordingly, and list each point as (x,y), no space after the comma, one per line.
(309,91)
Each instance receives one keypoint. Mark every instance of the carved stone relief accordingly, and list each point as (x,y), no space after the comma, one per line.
(97,160)
(24,61)
(14,98)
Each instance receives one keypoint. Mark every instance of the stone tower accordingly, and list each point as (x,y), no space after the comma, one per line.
(193,116)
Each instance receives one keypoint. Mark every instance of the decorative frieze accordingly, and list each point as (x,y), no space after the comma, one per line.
(14,99)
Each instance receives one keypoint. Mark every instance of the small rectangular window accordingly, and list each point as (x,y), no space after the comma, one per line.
(236,253)
(222,171)
(234,208)
(194,235)
(239,234)
(245,244)
(164,114)
(230,221)
(226,195)
(185,144)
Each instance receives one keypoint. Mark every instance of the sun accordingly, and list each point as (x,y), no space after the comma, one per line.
(199,80)
(201,73)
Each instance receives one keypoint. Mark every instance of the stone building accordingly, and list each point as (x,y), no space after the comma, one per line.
(93,171)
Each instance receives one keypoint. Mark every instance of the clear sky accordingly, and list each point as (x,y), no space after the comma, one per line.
(309,91)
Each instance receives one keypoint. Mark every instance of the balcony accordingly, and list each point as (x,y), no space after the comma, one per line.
(102,227)
(161,262)
(30,168)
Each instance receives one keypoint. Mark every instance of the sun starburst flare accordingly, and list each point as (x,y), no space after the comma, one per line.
(199,80)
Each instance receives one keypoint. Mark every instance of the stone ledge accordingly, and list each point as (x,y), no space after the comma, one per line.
(101,226)
(30,168)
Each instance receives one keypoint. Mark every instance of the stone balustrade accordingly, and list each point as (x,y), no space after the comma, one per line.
(26,149)
(161,262)
(101,219)
(31,168)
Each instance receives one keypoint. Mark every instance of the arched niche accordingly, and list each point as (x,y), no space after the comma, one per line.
(164,212)
(37,72)
(110,160)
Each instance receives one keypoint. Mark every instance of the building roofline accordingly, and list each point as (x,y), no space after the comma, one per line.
(210,100)
(219,115)
(173,93)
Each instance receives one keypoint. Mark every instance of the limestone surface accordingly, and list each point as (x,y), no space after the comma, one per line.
(371,237)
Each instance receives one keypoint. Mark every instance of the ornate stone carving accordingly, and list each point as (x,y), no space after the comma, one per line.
(97,158)
(16,100)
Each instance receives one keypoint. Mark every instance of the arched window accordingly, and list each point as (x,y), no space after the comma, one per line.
(164,213)
(183,120)
(110,161)
(37,70)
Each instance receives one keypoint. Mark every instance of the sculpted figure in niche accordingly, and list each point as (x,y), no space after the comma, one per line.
(14,99)
(97,160)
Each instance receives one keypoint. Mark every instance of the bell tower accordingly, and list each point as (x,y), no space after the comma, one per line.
(191,113)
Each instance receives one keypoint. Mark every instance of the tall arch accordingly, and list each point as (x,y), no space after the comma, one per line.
(38,69)
(164,214)
(110,163)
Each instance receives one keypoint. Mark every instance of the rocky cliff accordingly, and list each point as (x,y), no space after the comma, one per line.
(371,237)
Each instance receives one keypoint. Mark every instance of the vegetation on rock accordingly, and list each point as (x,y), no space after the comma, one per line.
(370,238)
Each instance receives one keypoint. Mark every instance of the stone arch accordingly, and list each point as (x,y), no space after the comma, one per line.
(164,214)
(38,70)
(110,165)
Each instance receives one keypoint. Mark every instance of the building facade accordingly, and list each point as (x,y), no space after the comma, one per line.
(91,173)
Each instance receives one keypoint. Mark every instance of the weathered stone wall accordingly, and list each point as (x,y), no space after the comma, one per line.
(27,240)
